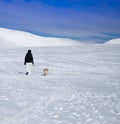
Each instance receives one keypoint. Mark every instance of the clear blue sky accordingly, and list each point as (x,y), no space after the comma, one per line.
(85,20)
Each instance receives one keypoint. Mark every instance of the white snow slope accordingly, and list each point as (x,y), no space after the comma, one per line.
(13,38)
(82,87)
(113,41)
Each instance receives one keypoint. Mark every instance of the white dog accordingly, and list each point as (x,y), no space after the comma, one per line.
(45,71)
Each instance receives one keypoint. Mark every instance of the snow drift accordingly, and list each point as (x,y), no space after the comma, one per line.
(12,38)
(113,41)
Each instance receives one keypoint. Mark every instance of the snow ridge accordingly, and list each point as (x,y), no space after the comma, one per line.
(113,41)
(10,38)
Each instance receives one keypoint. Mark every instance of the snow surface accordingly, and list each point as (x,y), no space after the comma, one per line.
(13,38)
(113,41)
(82,87)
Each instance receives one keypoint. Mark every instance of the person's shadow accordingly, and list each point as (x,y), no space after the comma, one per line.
(21,73)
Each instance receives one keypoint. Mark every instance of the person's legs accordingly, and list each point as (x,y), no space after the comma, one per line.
(28,68)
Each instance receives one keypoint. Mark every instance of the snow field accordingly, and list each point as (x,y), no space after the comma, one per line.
(82,86)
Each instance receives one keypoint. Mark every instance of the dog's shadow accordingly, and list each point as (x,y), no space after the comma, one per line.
(43,75)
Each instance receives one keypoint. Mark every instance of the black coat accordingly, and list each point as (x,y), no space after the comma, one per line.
(28,58)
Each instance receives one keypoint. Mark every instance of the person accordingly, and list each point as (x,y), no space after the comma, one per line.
(29,61)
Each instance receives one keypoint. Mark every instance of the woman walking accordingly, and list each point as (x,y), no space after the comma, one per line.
(29,61)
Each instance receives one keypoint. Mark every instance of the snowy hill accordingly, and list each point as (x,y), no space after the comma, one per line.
(82,85)
(13,38)
(113,41)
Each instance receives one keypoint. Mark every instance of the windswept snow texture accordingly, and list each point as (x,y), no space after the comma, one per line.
(25,39)
(82,87)
(113,41)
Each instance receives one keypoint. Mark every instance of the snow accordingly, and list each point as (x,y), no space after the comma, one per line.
(113,41)
(82,86)
(16,38)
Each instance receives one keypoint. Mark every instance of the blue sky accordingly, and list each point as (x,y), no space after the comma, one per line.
(84,20)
